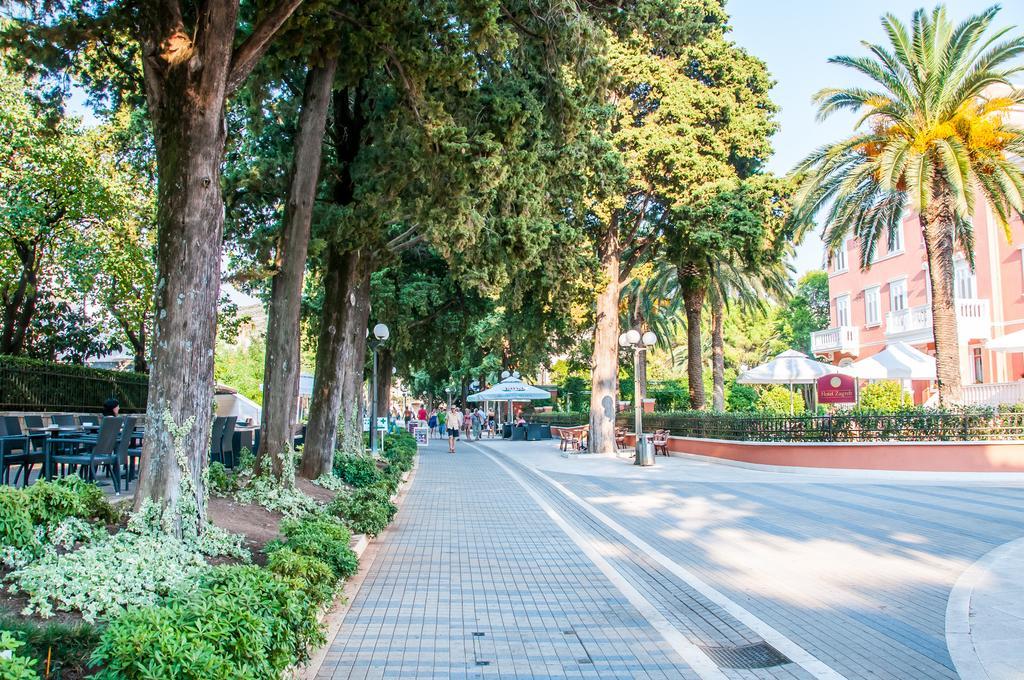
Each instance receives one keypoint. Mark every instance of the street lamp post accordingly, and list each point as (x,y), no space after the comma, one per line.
(380,335)
(638,343)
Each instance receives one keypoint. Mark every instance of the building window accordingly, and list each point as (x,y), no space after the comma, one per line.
(964,281)
(843,310)
(872,307)
(897,240)
(979,373)
(897,295)
(839,257)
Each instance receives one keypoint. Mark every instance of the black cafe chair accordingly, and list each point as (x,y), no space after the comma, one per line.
(34,451)
(88,419)
(125,458)
(13,451)
(227,441)
(64,420)
(88,453)
(217,439)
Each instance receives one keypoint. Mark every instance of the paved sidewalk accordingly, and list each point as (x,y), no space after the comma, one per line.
(508,560)
(474,580)
(985,616)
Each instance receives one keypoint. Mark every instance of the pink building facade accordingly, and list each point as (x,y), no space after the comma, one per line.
(890,301)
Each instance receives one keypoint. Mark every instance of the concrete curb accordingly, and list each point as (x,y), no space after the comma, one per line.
(366,549)
(963,638)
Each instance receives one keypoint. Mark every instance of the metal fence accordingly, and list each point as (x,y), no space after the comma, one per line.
(43,386)
(981,424)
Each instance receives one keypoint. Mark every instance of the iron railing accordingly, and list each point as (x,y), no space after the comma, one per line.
(43,386)
(919,424)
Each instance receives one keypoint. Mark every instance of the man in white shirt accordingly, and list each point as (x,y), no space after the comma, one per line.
(453,423)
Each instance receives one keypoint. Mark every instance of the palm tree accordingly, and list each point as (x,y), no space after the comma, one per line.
(934,135)
(649,302)
(749,289)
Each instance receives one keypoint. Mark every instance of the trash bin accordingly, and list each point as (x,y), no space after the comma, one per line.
(644,450)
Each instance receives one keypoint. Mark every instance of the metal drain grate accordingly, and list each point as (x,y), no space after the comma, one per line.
(760,655)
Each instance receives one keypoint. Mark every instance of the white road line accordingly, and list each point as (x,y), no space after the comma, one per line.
(700,662)
(796,653)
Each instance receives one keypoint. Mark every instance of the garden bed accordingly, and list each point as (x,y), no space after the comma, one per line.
(145,604)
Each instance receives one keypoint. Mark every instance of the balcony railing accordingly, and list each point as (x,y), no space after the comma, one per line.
(973,321)
(839,339)
(993,394)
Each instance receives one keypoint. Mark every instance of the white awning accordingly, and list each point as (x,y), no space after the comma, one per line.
(510,389)
(1011,342)
(789,368)
(898,361)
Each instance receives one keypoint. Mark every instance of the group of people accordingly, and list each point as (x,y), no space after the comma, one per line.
(453,423)
(470,423)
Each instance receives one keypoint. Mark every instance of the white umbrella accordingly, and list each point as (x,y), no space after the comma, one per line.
(510,389)
(1011,342)
(898,361)
(789,368)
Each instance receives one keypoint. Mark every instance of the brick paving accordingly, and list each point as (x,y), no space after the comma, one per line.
(472,553)
(475,580)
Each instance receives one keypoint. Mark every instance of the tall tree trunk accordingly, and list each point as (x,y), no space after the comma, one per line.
(341,349)
(717,352)
(20,308)
(604,364)
(189,72)
(138,342)
(282,367)
(693,299)
(938,240)
(190,215)
(385,361)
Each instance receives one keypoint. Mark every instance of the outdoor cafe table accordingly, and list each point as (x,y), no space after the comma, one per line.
(55,433)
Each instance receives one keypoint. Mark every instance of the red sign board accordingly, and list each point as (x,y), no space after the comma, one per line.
(836,389)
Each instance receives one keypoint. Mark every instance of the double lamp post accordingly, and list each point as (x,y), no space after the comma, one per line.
(380,335)
(632,339)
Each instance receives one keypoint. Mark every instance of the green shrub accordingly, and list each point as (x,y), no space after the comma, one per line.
(670,395)
(68,645)
(741,398)
(241,622)
(356,470)
(14,666)
(219,480)
(365,511)
(885,396)
(310,574)
(104,577)
(71,496)
(324,537)
(16,529)
(780,400)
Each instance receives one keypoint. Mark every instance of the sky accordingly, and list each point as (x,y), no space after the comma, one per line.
(795,38)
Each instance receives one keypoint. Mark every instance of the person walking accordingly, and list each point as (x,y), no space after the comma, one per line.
(478,423)
(432,423)
(442,415)
(454,424)
(466,424)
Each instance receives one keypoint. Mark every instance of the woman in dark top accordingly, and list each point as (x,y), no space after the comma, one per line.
(111,407)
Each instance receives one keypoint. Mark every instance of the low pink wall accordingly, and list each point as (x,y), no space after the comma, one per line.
(908,456)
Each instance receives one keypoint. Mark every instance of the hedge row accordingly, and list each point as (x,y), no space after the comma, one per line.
(33,385)
(907,424)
